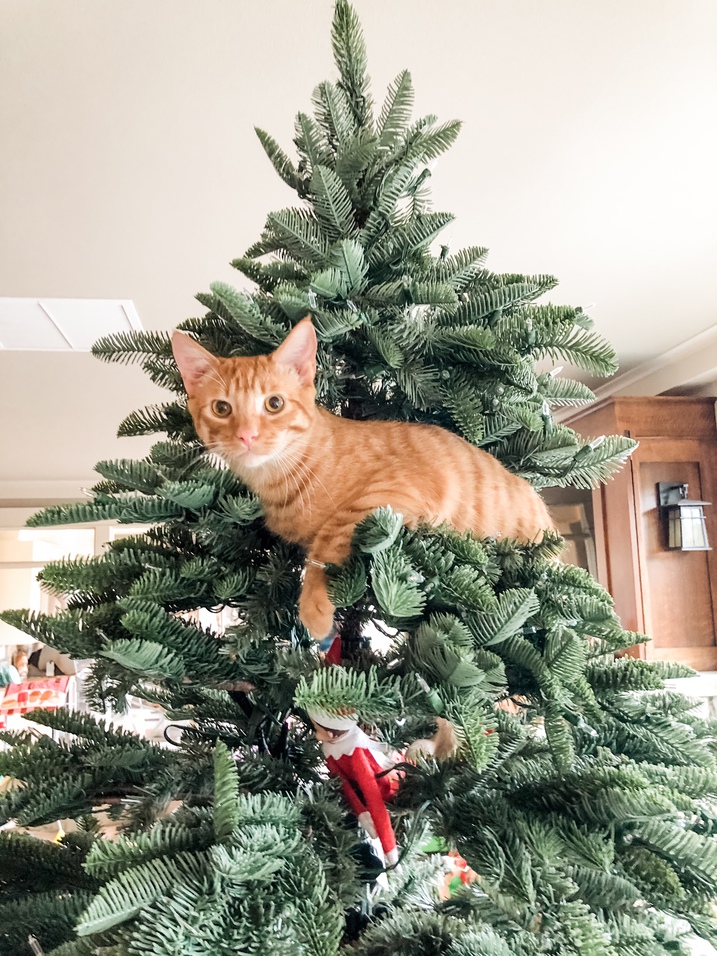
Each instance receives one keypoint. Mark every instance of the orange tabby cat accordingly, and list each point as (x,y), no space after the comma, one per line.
(318,475)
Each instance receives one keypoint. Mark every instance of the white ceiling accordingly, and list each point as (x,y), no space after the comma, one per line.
(130,169)
(51,325)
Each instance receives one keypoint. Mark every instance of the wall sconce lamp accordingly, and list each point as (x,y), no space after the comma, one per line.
(686,530)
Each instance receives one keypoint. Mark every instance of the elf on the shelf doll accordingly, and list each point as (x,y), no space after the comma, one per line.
(361,763)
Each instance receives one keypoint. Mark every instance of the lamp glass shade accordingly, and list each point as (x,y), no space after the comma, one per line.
(687,530)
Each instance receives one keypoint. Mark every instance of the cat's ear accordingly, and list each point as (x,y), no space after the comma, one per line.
(298,351)
(193,361)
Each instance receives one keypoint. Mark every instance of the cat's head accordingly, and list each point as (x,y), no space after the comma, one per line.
(251,410)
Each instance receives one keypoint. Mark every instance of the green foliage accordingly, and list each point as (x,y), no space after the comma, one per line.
(52,915)
(581,792)
(413,934)
(255,854)
(43,891)
(69,778)
(226,811)
(339,691)
(378,531)
(281,162)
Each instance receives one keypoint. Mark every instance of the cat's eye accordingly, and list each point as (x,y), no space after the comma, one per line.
(273,403)
(221,409)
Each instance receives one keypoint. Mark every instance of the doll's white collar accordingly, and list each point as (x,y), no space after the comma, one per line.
(357,739)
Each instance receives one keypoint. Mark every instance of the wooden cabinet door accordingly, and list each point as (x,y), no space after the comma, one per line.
(678,588)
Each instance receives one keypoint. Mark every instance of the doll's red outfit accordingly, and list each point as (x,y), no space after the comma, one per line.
(365,791)
(360,761)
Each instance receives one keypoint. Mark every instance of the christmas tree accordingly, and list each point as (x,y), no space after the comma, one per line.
(582,794)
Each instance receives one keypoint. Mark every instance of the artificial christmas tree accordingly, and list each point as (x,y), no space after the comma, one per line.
(582,792)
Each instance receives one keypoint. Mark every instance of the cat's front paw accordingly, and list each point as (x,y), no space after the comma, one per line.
(316,613)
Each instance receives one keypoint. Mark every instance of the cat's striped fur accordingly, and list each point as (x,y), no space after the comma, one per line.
(318,475)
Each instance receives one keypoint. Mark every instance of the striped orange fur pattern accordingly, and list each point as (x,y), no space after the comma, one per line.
(318,475)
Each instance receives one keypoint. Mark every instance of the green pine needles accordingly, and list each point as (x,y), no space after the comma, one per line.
(583,792)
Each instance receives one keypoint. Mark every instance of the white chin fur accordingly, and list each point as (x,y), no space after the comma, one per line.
(251,460)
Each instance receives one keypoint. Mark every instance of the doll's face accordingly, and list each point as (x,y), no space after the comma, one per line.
(325,735)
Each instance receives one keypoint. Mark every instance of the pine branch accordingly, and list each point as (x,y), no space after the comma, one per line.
(128,347)
(299,231)
(334,114)
(332,204)
(279,160)
(396,112)
(340,691)
(226,810)
(173,418)
(349,50)
(311,143)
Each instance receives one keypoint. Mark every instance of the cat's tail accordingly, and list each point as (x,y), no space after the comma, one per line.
(441,746)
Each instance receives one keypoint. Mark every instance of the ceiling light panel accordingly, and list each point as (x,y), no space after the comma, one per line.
(62,325)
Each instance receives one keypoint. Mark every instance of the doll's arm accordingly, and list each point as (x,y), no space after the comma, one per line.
(366,779)
(349,791)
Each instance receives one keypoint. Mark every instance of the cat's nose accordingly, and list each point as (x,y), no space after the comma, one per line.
(247,436)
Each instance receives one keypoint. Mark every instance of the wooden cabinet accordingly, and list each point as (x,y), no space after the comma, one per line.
(669,595)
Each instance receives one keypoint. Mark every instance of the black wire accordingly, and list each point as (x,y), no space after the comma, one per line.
(174,743)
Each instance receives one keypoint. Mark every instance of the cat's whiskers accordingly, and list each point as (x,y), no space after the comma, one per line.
(215,376)
(285,475)
(290,477)
(214,447)
(300,477)
(299,459)
(222,457)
